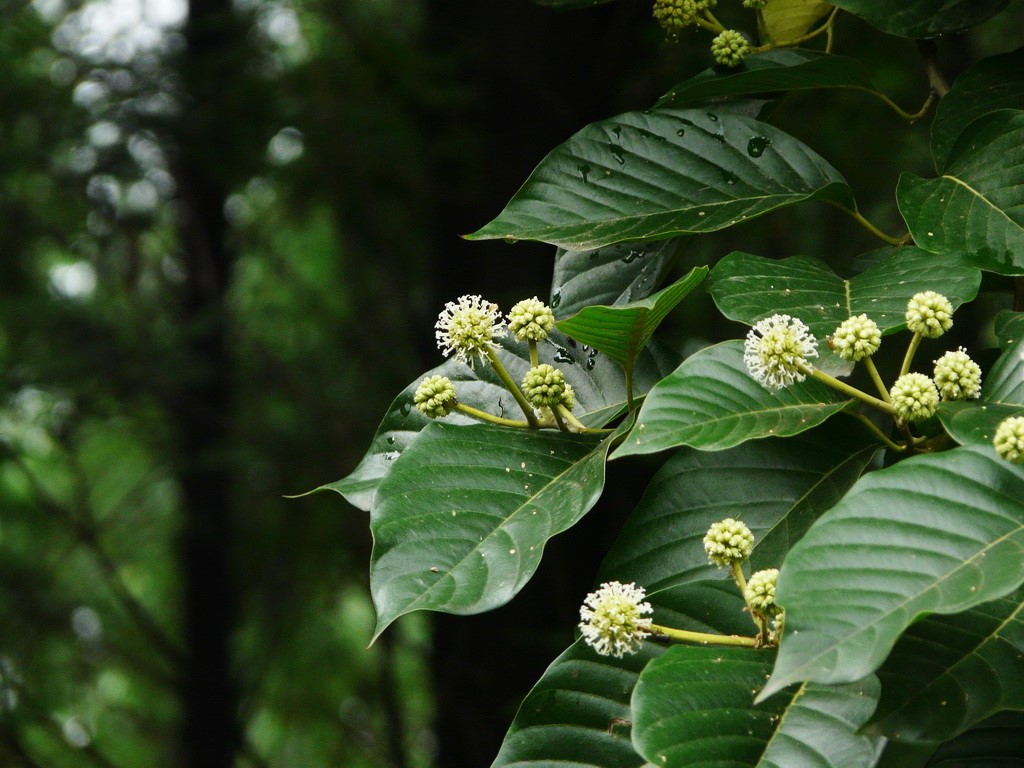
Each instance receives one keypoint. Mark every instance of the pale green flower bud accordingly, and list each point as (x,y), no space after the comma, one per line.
(467,327)
(914,397)
(613,619)
(435,397)
(728,541)
(760,591)
(929,314)
(675,15)
(545,386)
(755,5)
(531,319)
(856,338)
(1009,439)
(776,349)
(730,48)
(957,376)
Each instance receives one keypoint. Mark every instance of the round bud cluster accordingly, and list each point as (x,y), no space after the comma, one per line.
(957,376)
(435,397)
(856,338)
(467,327)
(914,397)
(675,15)
(545,386)
(1009,439)
(776,350)
(929,314)
(755,5)
(614,620)
(760,591)
(531,319)
(728,541)
(730,48)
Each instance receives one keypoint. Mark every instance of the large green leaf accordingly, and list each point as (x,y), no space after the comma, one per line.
(777,487)
(622,331)
(977,206)
(949,672)
(693,707)
(748,288)
(922,18)
(933,534)
(996,743)
(656,174)
(783,69)
(992,84)
(786,20)
(618,274)
(597,380)
(1002,396)
(578,713)
(711,402)
(460,523)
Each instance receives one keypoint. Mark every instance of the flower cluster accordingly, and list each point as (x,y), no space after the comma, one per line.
(1009,439)
(468,327)
(728,541)
(531,320)
(760,591)
(914,397)
(730,48)
(614,619)
(545,387)
(435,397)
(777,350)
(957,376)
(929,314)
(856,338)
(675,15)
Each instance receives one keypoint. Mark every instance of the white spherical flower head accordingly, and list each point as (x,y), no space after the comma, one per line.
(613,619)
(914,397)
(856,338)
(957,376)
(467,327)
(777,349)
(728,541)
(531,320)
(435,397)
(760,591)
(929,314)
(1009,439)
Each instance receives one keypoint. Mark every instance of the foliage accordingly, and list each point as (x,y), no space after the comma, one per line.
(897,526)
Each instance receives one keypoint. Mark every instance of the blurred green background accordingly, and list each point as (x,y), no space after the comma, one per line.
(225,233)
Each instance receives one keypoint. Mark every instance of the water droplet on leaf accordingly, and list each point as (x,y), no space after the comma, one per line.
(562,356)
(757,145)
(584,172)
(556,299)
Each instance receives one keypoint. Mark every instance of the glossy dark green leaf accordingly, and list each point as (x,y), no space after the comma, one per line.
(996,743)
(622,331)
(936,533)
(617,274)
(974,422)
(597,380)
(748,288)
(460,523)
(1009,327)
(711,402)
(657,174)
(975,207)
(784,69)
(922,18)
(992,84)
(947,673)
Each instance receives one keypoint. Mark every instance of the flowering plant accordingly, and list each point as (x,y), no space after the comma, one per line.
(850,595)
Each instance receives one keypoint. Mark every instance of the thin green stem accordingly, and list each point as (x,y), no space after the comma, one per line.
(512,387)
(915,342)
(479,415)
(558,419)
(859,218)
(534,357)
(798,40)
(846,389)
(704,638)
(875,377)
(630,403)
(877,432)
(736,568)
(579,426)
(712,24)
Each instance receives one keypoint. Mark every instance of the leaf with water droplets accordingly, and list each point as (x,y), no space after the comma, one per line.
(658,184)
(922,18)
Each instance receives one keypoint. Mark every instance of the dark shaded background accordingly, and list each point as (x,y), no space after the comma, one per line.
(223,244)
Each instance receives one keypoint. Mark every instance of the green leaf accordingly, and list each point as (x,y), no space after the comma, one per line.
(992,84)
(969,663)
(460,523)
(922,18)
(622,331)
(975,207)
(999,741)
(777,487)
(748,288)
(597,380)
(1002,396)
(653,175)
(1009,327)
(711,402)
(786,20)
(932,534)
(578,713)
(693,707)
(783,69)
(618,274)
